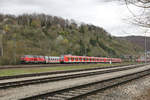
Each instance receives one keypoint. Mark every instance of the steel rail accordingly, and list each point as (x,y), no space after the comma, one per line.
(58,72)
(77,92)
(34,66)
(63,77)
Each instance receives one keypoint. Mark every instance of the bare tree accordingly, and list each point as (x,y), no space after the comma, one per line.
(143,17)
(139,3)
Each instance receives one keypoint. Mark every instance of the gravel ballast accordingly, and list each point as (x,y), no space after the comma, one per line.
(135,90)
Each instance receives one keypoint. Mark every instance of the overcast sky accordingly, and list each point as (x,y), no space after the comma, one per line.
(109,14)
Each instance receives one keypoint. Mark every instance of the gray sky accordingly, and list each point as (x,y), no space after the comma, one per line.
(109,14)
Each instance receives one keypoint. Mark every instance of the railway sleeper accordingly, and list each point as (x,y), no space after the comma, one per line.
(52,98)
(60,96)
(68,93)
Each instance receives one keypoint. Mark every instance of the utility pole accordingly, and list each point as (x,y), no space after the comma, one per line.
(146,47)
(14,48)
(1,42)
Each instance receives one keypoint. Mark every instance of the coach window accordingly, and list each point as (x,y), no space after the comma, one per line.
(103,59)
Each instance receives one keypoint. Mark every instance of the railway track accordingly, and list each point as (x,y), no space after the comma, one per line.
(77,92)
(59,72)
(82,73)
(34,66)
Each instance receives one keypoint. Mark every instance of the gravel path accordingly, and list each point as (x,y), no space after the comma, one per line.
(134,90)
(17,93)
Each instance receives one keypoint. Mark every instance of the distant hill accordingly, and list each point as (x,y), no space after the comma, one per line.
(54,36)
(138,40)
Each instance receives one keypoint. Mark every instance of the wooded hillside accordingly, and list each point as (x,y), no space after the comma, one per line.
(54,36)
(138,40)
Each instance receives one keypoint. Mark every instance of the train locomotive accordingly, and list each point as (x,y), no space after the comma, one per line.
(33,59)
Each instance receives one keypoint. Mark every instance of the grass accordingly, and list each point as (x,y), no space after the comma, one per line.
(18,71)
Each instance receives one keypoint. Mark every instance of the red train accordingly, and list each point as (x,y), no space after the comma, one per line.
(67,59)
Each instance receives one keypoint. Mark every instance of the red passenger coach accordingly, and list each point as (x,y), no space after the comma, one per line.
(115,60)
(52,59)
(72,59)
(86,59)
